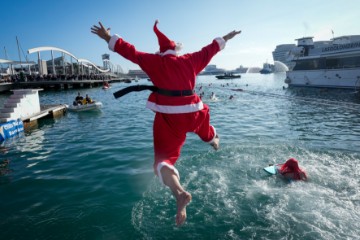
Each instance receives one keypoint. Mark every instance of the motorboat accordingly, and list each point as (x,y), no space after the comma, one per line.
(84,107)
(228,76)
(329,64)
(106,86)
(266,69)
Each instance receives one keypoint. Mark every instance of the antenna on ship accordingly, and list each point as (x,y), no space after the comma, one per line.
(332,31)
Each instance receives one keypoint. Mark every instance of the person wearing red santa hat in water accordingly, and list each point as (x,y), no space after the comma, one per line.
(291,170)
(178,109)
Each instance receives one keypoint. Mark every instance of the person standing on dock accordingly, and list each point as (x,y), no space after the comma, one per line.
(178,108)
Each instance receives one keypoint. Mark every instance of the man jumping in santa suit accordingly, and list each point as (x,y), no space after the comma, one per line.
(178,109)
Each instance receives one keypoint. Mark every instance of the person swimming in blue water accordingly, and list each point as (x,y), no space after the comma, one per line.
(291,170)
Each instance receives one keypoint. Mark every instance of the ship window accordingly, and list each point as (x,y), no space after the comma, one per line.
(332,63)
(345,62)
(328,63)
(351,62)
(310,64)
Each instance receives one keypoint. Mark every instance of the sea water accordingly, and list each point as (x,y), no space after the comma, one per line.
(89,175)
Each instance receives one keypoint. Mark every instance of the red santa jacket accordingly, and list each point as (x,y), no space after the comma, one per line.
(171,72)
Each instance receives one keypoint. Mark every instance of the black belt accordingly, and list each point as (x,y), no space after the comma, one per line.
(137,88)
(175,93)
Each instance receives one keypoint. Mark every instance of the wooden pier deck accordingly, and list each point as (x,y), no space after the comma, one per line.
(47,111)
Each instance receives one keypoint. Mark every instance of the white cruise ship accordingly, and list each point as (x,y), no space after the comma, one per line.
(330,64)
(280,54)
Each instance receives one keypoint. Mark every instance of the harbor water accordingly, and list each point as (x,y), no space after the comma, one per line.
(89,175)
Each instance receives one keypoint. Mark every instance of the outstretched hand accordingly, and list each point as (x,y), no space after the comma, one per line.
(230,35)
(101,32)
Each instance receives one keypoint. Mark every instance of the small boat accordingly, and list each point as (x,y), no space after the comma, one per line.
(228,76)
(106,86)
(85,107)
(266,69)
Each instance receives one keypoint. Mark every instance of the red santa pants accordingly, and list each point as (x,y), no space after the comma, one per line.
(170,133)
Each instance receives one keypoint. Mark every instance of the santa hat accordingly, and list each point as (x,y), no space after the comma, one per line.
(164,42)
(291,165)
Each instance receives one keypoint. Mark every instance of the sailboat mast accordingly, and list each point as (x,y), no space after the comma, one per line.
(7,58)
(17,41)
(5,53)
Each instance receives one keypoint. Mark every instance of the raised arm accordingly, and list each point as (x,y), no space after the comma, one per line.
(101,32)
(118,45)
(202,58)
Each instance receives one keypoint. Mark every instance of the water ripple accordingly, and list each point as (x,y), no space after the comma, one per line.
(89,175)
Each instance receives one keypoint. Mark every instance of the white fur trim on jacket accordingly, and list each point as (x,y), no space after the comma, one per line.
(161,165)
(221,42)
(175,109)
(212,140)
(112,42)
(167,52)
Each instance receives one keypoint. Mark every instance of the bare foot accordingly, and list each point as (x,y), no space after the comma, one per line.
(183,200)
(216,143)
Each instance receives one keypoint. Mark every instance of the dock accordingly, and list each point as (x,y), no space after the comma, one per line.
(46,111)
(57,84)
(22,110)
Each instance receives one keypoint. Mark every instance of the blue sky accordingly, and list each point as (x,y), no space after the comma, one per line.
(66,24)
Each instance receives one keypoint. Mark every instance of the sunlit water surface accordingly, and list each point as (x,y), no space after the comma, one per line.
(89,175)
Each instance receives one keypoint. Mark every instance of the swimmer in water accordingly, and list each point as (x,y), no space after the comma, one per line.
(291,170)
